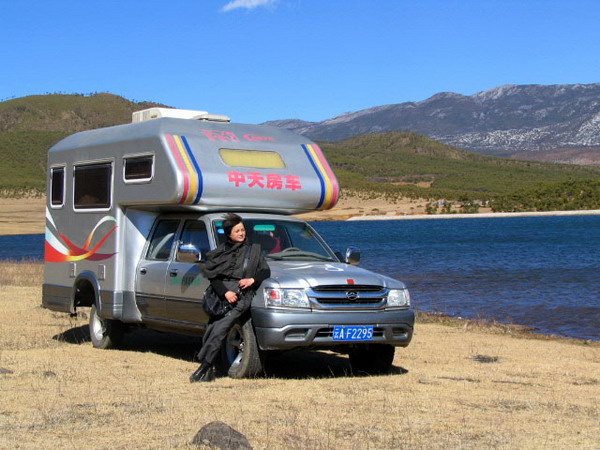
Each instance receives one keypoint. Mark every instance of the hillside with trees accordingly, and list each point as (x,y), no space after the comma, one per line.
(403,164)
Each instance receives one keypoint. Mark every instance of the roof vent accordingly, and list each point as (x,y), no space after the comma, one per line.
(157,113)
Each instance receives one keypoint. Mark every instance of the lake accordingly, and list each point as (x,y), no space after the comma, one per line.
(542,272)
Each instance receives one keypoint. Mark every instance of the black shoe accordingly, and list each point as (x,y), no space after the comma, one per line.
(203,373)
(209,375)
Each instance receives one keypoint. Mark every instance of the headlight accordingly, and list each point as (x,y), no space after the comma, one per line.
(398,297)
(292,298)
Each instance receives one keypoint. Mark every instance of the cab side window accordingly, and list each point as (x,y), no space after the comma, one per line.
(162,240)
(194,232)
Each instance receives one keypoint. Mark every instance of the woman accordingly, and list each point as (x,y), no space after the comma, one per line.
(235,270)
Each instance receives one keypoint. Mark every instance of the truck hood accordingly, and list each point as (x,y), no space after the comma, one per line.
(304,274)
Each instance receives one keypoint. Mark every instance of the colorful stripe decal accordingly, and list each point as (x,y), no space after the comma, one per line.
(329,186)
(196,168)
(58,248)
(188,166)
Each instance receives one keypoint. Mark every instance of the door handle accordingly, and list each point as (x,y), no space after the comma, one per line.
(173,273)
(143,271)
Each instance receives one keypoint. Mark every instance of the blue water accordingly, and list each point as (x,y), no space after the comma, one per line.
(541,272)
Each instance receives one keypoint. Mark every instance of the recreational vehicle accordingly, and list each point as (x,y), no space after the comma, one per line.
(133,209)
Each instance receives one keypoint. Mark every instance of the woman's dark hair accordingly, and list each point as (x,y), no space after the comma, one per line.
(231,220)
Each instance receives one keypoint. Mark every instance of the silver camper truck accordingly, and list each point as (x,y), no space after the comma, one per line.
(133,209)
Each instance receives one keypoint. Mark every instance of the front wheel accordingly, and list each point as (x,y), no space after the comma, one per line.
(240,355)
(372,358)
(105,333)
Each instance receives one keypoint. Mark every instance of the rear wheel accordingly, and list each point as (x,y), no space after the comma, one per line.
(105,333)
(240,355)
(371,358)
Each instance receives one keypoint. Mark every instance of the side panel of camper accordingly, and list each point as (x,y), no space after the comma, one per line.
(82,232)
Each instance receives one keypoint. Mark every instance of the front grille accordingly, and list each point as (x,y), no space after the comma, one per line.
(348,296)
(346,301)
(348,287)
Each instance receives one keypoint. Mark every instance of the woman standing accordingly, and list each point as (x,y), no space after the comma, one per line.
(235,270)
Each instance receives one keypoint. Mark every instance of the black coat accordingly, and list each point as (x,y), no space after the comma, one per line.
(225,264)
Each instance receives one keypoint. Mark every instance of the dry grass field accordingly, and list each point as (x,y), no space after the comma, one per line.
(459,385)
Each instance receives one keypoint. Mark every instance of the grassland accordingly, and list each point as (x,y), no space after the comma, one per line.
(458,385)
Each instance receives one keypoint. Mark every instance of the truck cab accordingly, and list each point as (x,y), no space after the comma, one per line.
(133,210)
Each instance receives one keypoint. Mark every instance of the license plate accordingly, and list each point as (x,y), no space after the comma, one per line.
(352,333)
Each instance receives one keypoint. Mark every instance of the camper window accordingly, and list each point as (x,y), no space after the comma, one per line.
(57,186)
(92,186)
(138,168)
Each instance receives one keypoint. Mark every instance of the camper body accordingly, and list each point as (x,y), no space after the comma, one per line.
(133,209)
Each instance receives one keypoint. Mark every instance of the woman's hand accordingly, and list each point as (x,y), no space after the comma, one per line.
(231,296)
(245,283)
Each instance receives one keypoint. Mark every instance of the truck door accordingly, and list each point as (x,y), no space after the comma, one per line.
(186,283)
(151,274)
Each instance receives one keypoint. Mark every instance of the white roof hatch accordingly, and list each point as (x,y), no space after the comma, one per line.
(156,113)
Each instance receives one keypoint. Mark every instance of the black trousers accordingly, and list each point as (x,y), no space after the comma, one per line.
(217,329)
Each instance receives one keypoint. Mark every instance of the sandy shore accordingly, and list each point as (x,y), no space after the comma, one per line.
(27,216)
(22,216)
(459,384)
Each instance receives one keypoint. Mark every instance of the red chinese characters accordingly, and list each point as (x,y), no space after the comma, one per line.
(264,181)
(222,136)
(228,136)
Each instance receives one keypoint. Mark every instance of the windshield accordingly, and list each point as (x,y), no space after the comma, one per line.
(283,240)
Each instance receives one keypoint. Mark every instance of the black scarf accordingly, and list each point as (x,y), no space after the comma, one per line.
(222,260)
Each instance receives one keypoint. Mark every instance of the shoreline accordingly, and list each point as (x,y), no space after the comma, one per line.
(583,212)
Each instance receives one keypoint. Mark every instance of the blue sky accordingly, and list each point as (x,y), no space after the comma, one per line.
(259,60)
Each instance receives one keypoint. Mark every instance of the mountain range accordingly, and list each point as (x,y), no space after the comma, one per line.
(559,123)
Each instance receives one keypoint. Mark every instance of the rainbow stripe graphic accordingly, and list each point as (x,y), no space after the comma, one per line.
(192,176)
(329,186)
(58,248)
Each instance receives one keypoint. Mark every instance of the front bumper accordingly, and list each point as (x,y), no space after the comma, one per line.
(285,329)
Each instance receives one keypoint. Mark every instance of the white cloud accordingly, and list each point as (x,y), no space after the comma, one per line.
(248,4)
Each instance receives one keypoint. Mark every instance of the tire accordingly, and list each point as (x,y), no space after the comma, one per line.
(371,359)
(240,355)
(105,333)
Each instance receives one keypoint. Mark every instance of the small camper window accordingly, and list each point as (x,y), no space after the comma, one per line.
(57,186)
(92,186)
(252,158)
(138,168)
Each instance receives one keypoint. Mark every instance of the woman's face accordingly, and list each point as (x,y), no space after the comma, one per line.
(238,233)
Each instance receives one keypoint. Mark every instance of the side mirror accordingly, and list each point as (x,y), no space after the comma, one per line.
(188,253)
(352,256)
